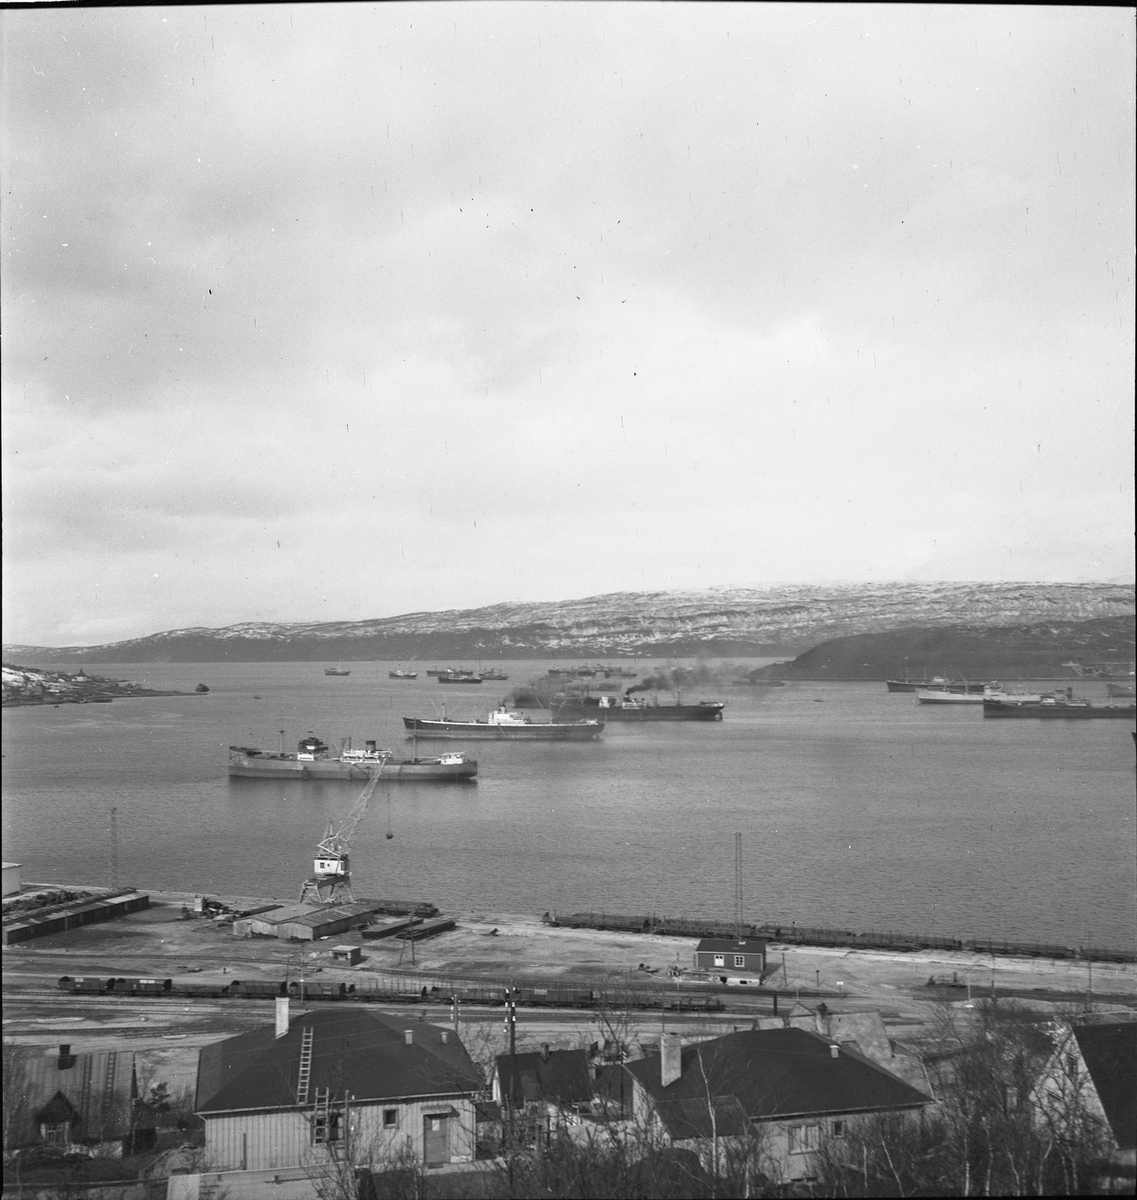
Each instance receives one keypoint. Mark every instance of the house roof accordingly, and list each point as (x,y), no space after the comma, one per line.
(779,1073)
(724,1116)
(562,1078)
(1109,1051)
(354,1051)
(731,945)
(96,1089)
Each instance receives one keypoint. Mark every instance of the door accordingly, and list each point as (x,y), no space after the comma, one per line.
(436,1139)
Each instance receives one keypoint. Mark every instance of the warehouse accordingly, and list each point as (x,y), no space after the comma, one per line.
(59,918)
(305,922)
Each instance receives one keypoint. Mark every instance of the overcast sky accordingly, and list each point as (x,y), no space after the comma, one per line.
(342,311)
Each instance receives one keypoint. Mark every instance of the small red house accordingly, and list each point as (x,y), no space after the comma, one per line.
(732,958)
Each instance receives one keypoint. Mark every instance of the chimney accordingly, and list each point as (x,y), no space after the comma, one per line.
(281,1016)
(834,1050)
(409,1036)
(66,1059)
(445,1036)
(544,1051)
(670,1058)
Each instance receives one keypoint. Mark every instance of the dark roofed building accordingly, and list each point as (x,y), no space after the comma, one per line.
(287,1096)
(790,1089)
(559,1078)
(732,958)
(73,1101)
(1093,1074)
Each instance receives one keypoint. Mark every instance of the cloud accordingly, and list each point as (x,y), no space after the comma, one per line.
(540,301)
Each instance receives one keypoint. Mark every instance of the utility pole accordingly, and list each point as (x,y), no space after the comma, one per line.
(738,885)
(511,1029)
(114,848)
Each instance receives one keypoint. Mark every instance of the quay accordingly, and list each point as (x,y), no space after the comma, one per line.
(812,935)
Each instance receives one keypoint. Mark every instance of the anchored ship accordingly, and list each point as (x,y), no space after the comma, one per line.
(314,760)
(505,725)
(1055,706)
(937,683)
(634,709)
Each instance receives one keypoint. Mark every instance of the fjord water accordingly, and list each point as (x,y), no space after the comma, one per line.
(858,808)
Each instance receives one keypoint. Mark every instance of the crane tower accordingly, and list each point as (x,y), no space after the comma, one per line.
(331,868)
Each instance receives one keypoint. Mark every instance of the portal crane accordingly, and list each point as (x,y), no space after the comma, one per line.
(331,879)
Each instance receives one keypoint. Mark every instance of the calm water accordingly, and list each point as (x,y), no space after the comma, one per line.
(857,808)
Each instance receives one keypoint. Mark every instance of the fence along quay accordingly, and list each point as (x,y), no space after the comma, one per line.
(813,935)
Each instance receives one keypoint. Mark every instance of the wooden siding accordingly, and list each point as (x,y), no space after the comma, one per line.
(283,1139)
(753,963)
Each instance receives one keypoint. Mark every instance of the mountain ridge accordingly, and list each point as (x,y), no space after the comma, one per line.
(786,619)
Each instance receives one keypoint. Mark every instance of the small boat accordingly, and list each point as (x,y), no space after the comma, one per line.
(314,760)
(505,725)
(336,671)
(496,675)
(402,674)
(459,677)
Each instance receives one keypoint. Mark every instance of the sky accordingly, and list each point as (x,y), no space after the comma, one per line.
(342,311)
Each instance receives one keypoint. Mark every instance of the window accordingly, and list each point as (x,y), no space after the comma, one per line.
(805,1139)
(326,1127)
(720,960)
(56,1134)
(838,1129)
(390,1118)
(740,960)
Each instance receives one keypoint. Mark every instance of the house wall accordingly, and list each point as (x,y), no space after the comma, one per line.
(283,1138)
(782,1149)
(753,962)
(1066,1102)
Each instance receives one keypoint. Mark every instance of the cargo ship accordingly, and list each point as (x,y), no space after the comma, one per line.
(635,709)
(1055,706)
(314,760)
(505,725)
(937,683)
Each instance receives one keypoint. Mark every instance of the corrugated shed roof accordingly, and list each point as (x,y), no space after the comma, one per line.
(354,1051)
(780,1073)
(1109,1051)
(562,1078)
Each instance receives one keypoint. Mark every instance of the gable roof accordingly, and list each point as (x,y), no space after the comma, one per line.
(1109,1051)
(562,1078)
(354,1051)
(95,1090)
(731,945)
(780,1073)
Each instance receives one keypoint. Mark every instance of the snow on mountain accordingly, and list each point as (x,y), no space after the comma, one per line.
(786,618)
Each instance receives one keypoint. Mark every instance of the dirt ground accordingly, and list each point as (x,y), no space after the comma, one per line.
(167,1033)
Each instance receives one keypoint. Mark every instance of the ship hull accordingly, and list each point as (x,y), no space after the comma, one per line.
(245,766)
(1058,711)
(650,712)
(929,685)
(556,731)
